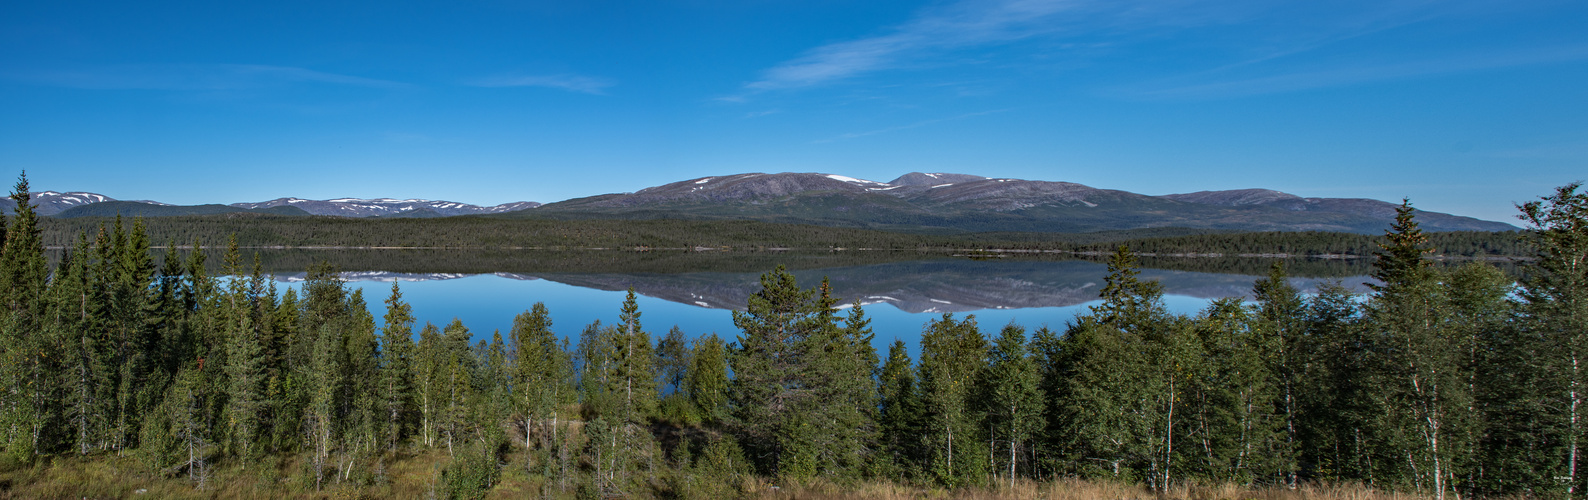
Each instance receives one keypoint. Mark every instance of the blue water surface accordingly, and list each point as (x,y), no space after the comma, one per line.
(487,303)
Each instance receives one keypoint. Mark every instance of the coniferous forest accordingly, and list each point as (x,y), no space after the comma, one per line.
(254,230)
(1444,381)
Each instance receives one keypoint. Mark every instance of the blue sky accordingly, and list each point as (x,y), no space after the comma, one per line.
(1463,106)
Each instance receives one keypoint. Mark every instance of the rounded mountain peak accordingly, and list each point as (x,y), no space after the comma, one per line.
(935,179)
(1234,197)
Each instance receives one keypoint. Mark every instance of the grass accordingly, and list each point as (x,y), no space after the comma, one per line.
(415,476)
(1075,489)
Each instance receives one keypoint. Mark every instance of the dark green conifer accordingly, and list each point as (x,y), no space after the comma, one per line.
(396,369)
(900,417)
(767,365)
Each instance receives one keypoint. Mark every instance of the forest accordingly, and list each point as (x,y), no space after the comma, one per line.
(256,230)
(1447,382)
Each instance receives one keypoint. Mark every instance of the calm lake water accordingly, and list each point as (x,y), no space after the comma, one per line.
(899,297)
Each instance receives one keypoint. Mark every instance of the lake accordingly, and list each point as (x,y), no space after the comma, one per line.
(899,296)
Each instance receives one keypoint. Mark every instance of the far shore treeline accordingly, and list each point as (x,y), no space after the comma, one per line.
(1453,381)
(485,232)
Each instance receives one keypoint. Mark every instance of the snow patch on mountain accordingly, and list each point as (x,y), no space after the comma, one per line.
(378,207)
(853,180)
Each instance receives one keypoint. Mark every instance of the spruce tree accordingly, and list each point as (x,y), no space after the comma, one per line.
(633,367)
(767,365)
(1428,391)
(899,419)
(362,406)
(454,383)
(1402,259)
(838,429)
(1128,302)
(190,447)
(396,369)
(86,366)
(245,373)
(625,445)
(28,364)
(23,280)
(1106,375)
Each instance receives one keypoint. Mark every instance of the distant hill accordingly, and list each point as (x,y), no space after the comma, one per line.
(917,202)
(958,203)
(423,213)
(72,204)
(51,202)
(1349,206)
(387,207)
(142,209)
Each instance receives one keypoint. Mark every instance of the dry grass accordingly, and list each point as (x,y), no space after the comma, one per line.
(110,476)
(1074,489)
(413,476)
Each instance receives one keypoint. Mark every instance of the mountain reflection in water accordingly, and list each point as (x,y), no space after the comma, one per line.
(931,286)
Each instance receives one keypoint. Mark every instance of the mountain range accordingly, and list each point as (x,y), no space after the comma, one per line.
(387,207)
(938,202)
(81,204)
(916,202)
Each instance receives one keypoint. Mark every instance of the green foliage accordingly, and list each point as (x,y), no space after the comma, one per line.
(803,392)
(953,355)
(1553,338)
(543,382)
(505,233)
(1128,302)
(672,353)
(1277,336)
(899,419)
(472,472)
(397,369)
(1445,381)
(1011,398)
(632,369)
(245,373)
(707,380)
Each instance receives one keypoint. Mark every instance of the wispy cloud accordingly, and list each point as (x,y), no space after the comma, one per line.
(568,82)
(1262,38)
(967,24)
(856,135)
(758,114)
(1358,74)
(199,77)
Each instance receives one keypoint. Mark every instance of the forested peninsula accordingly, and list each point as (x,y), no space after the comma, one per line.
(124,377)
